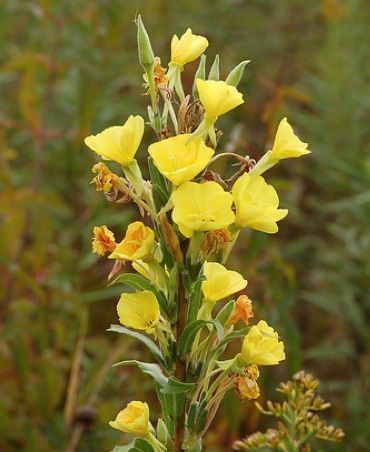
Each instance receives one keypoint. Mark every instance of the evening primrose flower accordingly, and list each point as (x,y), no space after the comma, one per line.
(137,244)
(256,204)
(220,282)
(139,310)
(217,97)
(286,145)
(103,240)
(133,419)
(261,346)
(201,207)
(118,143)
(242,310)
(180,159)
(188,48)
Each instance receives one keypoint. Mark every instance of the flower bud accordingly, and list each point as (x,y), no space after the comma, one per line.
(146,55)
(236,74)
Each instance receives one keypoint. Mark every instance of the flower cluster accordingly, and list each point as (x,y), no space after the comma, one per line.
(181,301)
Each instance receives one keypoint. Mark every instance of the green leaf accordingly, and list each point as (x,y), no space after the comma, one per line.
(189,333)
(232,336)
(141,337)
(200,73)
(140,283)
(177,387)
(160,189)
(151,369)
(224,314)
(194,300)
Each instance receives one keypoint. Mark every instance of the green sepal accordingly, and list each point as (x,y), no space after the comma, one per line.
(200,73)
(188,335)
(236,74)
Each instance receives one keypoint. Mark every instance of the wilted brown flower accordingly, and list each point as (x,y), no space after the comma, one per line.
(242,310)
(160,76)
(246,388)
(103,240)
(104,180)
(215,241)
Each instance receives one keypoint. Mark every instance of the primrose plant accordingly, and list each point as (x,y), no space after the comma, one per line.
(176,299)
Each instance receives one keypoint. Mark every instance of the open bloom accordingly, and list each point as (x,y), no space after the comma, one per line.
(180,159)
(220,282)
(188,48)
(287,145)
(133,419)
(118,143)
(261,346)
(137,244)
(139,310)
(217,97)
(257,204)
(201,207)
(103,240)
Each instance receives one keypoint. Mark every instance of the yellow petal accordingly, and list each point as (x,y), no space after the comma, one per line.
(287,144)
(220,282)
(188,48)
(180,159)
(139,310)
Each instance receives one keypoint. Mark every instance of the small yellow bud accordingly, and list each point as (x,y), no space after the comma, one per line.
(201,207)
(137,244)
(180,159)
(103,240)
(257,204)
(242,310)
(139,310)
(188,48)
(220,282)
(217,97)
(118,143)
(133,419)
(261,346)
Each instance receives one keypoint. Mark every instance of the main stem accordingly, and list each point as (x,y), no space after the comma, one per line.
(180,369)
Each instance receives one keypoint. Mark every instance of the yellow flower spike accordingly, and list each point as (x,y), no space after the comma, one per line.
(256,204)
(201,207)
(217,97)
(118,143)
(133,419)
(220,282)
(261,346)
(287,145)
(188,48)
(180,159)
(137,245)
(139,310)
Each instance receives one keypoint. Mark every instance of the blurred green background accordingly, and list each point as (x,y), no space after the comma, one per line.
(69,68)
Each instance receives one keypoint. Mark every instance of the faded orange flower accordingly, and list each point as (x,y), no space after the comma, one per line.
(160,76)
(246,388)
(103,240)
(242,310)
(104,180)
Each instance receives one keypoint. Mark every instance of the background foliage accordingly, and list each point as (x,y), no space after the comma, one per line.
(70,68)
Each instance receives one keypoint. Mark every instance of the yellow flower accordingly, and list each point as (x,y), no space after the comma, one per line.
(287,144)
(201,207)
(188,48)
(137,244)
(217,97)
(220,282)
(118,143)
(180,159)
(261,346)
(257,204)
(103,240)
(242,310)
(139,310)
(133,419)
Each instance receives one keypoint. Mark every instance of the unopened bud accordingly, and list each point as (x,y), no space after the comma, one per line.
(236,74)
(146,55)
